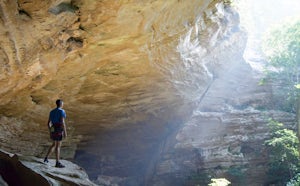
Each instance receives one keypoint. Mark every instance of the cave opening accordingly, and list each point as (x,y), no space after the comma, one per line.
(158,91)
(144,153)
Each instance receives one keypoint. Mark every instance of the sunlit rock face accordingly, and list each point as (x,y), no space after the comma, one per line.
(155,91)
(92,54)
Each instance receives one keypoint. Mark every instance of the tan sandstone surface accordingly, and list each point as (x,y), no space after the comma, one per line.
(155,90)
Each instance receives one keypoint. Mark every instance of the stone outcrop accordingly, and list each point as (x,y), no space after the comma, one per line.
(156,92)
(24,170)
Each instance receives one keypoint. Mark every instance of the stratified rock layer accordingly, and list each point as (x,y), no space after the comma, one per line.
(156,92)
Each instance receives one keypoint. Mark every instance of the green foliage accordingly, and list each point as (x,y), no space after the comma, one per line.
(236,174)
(200,177)
(281,46)
(294,181)
(283,152)
(274,126)
(228,2)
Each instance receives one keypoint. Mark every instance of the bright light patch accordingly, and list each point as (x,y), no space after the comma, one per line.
(257,16)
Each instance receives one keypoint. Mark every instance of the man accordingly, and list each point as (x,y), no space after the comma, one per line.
(57,127)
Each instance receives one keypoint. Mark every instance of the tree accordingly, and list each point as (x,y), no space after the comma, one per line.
(283,152)
(281,46)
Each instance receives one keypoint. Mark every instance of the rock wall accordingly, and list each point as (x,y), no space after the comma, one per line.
(156,92)
(93,55)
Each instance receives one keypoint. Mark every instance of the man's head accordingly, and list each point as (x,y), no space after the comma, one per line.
(59,103)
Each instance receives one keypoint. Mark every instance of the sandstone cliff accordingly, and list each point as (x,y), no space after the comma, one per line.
(156,92)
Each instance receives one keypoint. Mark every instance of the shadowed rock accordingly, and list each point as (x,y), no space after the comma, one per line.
(19,170)
(63,7)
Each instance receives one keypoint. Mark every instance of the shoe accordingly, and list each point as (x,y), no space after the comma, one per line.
(46,160)
(59,165)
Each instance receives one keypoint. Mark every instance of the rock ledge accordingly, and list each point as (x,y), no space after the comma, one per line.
(27,170)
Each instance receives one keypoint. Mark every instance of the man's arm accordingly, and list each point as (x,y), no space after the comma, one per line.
(48,124)
(49,127)
(65,128)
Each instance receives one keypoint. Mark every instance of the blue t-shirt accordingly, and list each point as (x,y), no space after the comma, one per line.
(56,115)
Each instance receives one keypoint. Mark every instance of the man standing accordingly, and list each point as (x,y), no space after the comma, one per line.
(57,127)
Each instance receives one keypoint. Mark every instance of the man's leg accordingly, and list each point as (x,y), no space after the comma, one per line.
(50,150)
(57,150)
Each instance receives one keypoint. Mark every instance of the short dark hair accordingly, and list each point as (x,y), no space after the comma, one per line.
(58,102)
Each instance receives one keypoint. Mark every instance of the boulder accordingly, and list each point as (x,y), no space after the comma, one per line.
(18,170)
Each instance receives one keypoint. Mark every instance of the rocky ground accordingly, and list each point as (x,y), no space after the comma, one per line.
(25,170)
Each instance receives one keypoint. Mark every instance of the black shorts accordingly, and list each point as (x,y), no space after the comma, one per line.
(57,132)
(57,136)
